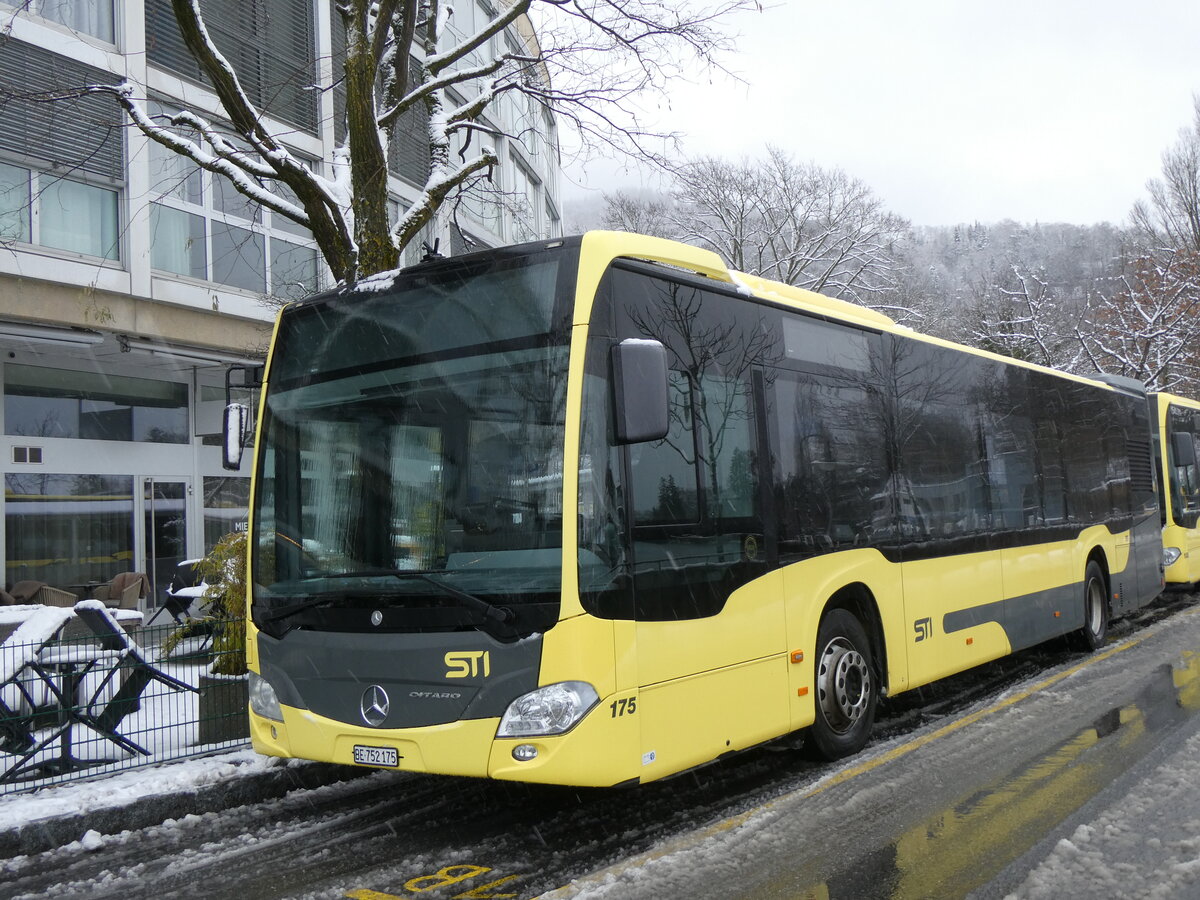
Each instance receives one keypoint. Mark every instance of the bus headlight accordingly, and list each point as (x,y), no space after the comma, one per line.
(548,710)
(262,698)
(1170,555)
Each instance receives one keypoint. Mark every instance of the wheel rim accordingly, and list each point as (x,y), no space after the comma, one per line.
(843,684)
(1095,606)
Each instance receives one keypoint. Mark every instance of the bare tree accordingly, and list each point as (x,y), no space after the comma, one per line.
(652,214)
(1170,219)
(585,62)
(799,224)
(1022,315)
(1149,328)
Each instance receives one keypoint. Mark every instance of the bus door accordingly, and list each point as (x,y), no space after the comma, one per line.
(1144,580)
(1146,547)
(953,582)
(1146,541)
(709,620)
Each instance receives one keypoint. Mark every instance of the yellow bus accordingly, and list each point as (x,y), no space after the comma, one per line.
(1177,424)
(598,510)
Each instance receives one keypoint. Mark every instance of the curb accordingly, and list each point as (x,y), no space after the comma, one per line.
(146,812)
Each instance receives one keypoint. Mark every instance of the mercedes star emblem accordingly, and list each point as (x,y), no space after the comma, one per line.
(374,705)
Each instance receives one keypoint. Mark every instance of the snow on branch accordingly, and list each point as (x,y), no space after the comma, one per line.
(243,169)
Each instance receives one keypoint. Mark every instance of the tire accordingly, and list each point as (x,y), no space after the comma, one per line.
(846,688)
(1095,609)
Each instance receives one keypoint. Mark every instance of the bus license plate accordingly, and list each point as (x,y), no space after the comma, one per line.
(376,756)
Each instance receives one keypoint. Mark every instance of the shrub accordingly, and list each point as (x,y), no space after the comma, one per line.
(224,570)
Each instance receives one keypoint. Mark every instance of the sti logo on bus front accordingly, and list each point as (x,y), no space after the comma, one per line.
(467,663)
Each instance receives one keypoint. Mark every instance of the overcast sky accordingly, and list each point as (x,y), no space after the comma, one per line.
(954,110)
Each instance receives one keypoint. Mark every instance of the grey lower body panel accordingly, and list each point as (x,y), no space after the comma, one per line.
(426,679)
(1029,619)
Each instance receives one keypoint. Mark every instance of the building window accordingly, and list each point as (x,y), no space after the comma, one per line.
(471,17)
(57,403)
(529,110)
(67,530)
(94,17)
(238,258)
(14,203)
(524,201)
(65,214)
(178,242)
(203,228)
(480,197)
(550,136)
(293,269)
(60,184)
(77,217)
(271,43)
(226,505)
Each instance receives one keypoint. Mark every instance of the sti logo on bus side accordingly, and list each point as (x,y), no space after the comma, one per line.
(467,664)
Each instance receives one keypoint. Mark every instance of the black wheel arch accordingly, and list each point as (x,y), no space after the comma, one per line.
(858,600)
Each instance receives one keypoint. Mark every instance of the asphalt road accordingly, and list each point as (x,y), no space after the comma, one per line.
(970,786)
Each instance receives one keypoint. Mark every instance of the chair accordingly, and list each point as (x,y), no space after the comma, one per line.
(136,671)
(185,589)
(52,596)
(25,591)
(40,592)
(124,591)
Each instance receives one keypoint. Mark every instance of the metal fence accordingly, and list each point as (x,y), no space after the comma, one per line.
(82,703)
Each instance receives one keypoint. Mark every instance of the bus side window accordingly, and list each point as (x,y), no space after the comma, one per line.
(831,482)
(694,503)
(663,473)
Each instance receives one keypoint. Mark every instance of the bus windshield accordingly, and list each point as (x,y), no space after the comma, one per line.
(411,458)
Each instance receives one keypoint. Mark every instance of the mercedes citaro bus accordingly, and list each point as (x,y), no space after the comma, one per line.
(597,510)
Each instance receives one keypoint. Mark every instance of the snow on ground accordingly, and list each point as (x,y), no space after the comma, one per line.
(1146,844)
(131,786)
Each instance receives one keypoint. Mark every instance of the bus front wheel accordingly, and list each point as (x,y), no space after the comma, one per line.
(847,689)
(1095,609)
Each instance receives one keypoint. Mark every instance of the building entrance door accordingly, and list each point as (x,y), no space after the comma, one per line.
(165,531)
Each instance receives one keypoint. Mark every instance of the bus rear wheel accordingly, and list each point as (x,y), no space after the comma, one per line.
(1095,609)
(847,689)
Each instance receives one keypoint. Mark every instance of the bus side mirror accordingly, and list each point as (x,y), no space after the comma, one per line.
(640,391)
(1185,449)
(236,425)
(233,433)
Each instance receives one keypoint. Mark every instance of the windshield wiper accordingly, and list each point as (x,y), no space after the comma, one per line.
(497,620)
(276,613)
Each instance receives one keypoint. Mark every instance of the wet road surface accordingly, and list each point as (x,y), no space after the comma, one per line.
(969,786)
